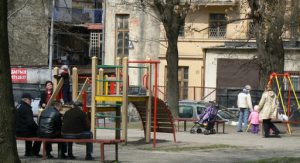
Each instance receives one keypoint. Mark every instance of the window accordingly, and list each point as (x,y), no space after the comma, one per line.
(185,111)
(181,31)
(96,43)
(251,30)
(200,110)
(217,25)
(122,35)
(183,80)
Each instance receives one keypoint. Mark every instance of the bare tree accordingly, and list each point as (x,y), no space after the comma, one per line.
(171,13)
(268,18)
(8,147)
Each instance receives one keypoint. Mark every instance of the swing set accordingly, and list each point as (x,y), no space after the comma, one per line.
(286,104)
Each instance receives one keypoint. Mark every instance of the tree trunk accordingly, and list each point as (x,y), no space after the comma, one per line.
(172,75)
(172,16)
(8,147)
(269,20)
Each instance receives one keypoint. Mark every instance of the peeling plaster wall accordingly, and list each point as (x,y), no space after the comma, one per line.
(144,32)
(28,24)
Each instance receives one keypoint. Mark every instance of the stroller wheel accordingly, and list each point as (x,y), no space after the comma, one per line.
(213,131)
(199,130)
(192,131)
(206,132)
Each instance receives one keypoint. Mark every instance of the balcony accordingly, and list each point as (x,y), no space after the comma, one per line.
(77,16)
(213,2)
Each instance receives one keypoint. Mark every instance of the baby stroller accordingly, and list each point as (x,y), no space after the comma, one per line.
(206,121)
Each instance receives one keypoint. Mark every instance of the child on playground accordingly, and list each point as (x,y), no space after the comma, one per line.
(65,74)
(254,120)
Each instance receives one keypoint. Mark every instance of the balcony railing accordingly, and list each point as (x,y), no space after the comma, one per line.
(212,2)
(77,16)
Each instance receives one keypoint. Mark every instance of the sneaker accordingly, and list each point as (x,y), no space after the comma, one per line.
(239,130)
(49,156)
(72,157)
(89,157)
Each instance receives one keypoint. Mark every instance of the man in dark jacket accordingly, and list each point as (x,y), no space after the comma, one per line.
(26,126)
(50,127)
(76,126)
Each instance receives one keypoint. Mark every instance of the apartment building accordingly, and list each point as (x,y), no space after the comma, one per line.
(215,56)
(50,34)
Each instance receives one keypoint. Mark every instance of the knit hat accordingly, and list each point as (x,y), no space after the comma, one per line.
(248,87)
(64,67)
(255,108)
(26,95)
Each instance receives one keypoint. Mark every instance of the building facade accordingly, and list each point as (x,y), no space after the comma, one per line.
(207,29)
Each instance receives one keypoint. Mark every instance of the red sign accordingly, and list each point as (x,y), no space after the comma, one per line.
(19,75)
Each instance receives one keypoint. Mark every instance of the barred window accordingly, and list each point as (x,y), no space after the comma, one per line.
(122,35)
(181,31)
(217,26)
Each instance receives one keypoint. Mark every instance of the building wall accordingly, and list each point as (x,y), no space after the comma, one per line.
(195,39)
(213,54)
(143,34)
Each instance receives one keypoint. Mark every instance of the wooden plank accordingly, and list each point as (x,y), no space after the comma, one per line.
(114,98)
(83,88)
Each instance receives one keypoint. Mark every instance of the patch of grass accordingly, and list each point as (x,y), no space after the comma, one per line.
(277,160)
(191,148)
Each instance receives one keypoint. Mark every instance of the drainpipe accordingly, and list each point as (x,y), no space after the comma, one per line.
(103,31)
(51,39)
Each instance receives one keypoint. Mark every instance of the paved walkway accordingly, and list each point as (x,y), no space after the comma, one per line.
(229,147)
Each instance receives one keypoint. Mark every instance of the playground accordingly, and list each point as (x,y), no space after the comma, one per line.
(229,147)
(155,139)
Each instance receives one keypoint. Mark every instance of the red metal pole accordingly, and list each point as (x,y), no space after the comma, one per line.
(289,102)
(112,86)
(84,101)
(155,104)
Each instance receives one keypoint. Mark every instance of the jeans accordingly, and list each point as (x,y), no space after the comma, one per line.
(243,117)
(82,135)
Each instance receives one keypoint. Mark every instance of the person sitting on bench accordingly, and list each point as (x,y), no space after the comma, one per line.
(76,126)
(50,127)
(26,126)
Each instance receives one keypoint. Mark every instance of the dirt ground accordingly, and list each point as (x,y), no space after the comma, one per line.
(229,147)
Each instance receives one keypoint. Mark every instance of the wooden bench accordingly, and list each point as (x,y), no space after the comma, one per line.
(102,142)
(185,120)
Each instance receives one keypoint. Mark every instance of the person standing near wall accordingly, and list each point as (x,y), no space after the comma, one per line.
(244,103)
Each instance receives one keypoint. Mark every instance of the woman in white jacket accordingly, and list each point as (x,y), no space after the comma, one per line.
(268,110)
